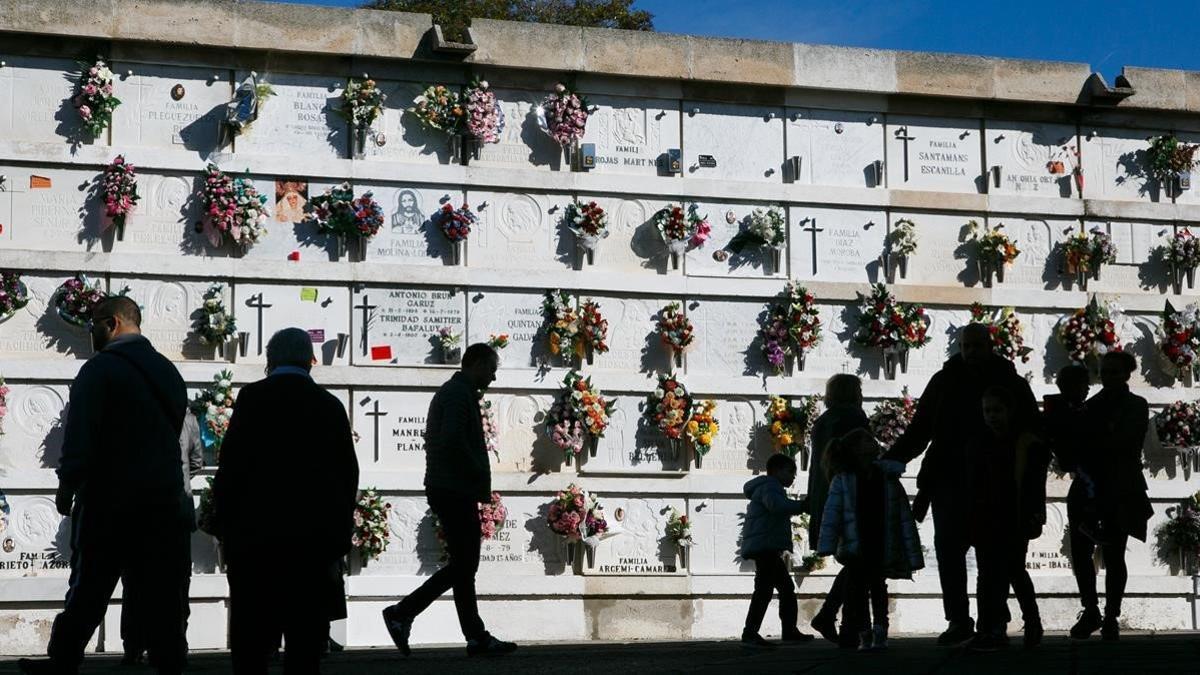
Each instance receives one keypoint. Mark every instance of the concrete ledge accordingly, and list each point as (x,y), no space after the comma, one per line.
(527,45)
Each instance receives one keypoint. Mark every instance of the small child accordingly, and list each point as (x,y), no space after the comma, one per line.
(868,526)
(766,536)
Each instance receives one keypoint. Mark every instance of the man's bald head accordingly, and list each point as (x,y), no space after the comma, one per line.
(120,307)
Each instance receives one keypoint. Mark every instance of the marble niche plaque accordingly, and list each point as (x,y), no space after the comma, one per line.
(1139,267)
(740,443)
(36,331)
(33,429)
(1034,159)
(832,354)
(168,309)
(632,135)
(413,548)
(409,235)
(836,147)
(399,325)
(933,153)
(837,244)
(642,547)
(520,231)
(34,538)
(942,256)
(632,343)
(165,218)
(1189,196)
(523,145)
(633,243)
(391,429)
(399,136)
(151,115)
(1038,238)
(300,120)
(49,209)
(322,310)
(727,219)
(44,88)
(522,443)
(630,445)
(726,341)
(744,141)
(1114,165)
(717,531)
(518,315)
(1047,555)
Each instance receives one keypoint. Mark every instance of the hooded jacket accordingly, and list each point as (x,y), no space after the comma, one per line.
(768,524)
(901,544)
(833,423)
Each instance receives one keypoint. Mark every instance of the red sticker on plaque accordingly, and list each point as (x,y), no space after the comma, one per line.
(317,335)
(294,256)
(382,353)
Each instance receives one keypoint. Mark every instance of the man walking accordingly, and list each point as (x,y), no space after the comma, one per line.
(287,438)
(949,415)
(457,478)
(121,483)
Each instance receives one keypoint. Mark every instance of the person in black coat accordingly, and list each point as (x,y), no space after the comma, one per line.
(458,476)
(948,416)
(283,501)
(121,483)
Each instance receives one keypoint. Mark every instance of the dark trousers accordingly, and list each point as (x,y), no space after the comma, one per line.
(1022,584)
(836,596)
(866,599)
(1115,572)
(771,576)
(994,556)
(266,603)
(459,517)
(951,540)
(136,620)
(157,562)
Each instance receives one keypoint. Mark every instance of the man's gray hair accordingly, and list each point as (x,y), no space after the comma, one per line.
(290,347)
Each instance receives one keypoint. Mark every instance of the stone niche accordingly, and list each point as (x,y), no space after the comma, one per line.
(523,145)
(1034,159)
(300,120)
(35,541)
(37,332)
(410,235)
(943,255)
(33,429)
(522,443)
(726,337)
(632,136)
(633,344)
(170,107)
(322,310)
(1039,264)
(631,444)
(169,307)
(44,87)
(399,325)
(1141,266)
(742,442)
(717,531)
(391,429)
(634,244)
(836,147)
(49,209)
(1114,165)
(727,219)
(399,136)
(518,315)
(164,220)
(745,142)
(934,153)
(837,244)
(639,545)
(520,231)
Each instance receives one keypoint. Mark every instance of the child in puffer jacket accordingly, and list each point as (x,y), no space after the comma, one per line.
(868,527)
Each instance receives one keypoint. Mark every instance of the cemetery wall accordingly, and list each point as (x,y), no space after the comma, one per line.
(880,136)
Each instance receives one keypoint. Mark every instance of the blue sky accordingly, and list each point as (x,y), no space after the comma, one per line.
(1107,34)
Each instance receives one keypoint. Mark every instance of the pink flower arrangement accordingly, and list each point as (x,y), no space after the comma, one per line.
(485,120)
(119,186)
(95,101)
(1089,331)
(234,211)
(680,230)
(370,536)
(576,514)
(891,417)
(3,403)
(13,294)
(564,115)
(339,213)
(491,433)
(492,515)
(456,223)
(75,298)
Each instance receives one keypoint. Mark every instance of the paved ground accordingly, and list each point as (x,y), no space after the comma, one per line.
(1133,655)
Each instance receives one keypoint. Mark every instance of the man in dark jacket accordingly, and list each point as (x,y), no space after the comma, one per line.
(950,414)
(121,483)
(1107,502)
(287,438)
(458,476)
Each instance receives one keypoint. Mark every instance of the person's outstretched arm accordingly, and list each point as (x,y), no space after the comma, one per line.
(919,433)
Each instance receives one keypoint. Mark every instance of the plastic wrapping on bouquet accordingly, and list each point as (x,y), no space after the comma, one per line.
(589,550)
(343,340)
(674,359)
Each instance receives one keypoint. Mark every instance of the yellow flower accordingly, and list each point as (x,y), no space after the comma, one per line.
(776,428)
(693,426)
(705,439)
(785,439)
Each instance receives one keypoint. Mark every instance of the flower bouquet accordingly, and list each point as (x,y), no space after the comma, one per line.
(679,531)
(562,325)
(900,245)
(498,342)
(340,214)
(206,515)
(668,408)
(456,226)
(702,429)
(1178,539)
(766,229)
(362,104)
(75,299)
(891,417)
(577,516)
(810,562)
(94,100)
(1178,425)
(491,432)
(450,344)
(993,251)
(1008,335)
(492,515)
(790,424)
(589,223)
(894,327)
(1085,253)
(682,230)
(243,110)
(213,408)
(580,415)
(563,115)
(1170,161)
(593,330)
(119,189)
(3,403)
(674,332)
(1089,333)
(1179,341)
(439,108)
(14,295)
(234,211)
(485,118)
(790,329)
(370,536)
(215,325)
(1182,253)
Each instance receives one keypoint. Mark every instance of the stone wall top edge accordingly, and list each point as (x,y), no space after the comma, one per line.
(280,27)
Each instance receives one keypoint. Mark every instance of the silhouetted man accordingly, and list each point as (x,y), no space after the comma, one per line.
(458,476)
(288,438)
(950,414)
(121,483)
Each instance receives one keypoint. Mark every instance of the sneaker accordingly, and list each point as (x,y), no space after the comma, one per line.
(794,635)
(1033,633)
(756,640)
(1089,622)
(957,633)
(879,638)
(1111,630)
(826,626)
(490,646)
(987,642)
(399,627)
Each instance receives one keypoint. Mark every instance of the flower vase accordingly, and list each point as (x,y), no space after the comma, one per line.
(1185,376)
(1191,277)
(220,557)
(699,458)
(456,251)
(902,265)
(451,355)
(474,148)
(890,361)
(593,444)
(800,357)
(674,260)
(674,359)
(1081,278)
(587,256)
(572,548)
(1176,278)
(358,252)
(567,458)
(589,353)
(221,350)
(1187,563)
(673,445)
(360,140)
(589,553)
(121,231)
(343,341)
(341,246)
(985,273)
(571,154)
(776,260)
(683,556)
(1000,272)
(1096,271)
(243,343)
(903,361)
